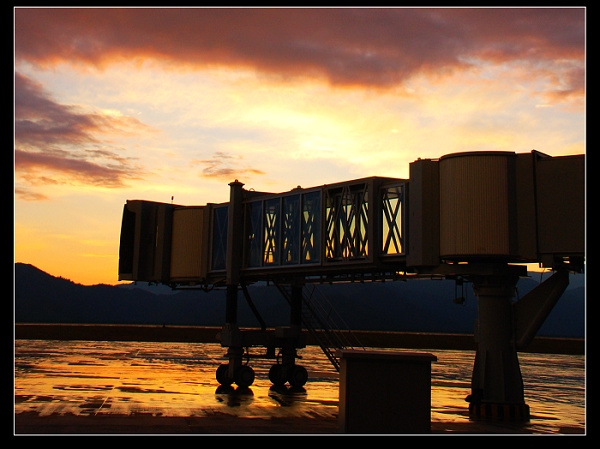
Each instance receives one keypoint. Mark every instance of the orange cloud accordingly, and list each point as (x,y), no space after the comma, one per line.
(27,194)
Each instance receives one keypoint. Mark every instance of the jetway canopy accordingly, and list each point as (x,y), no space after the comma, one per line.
(461,208)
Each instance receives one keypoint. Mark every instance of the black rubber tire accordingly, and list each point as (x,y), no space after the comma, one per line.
(222,375)
(243,376)
(297,376)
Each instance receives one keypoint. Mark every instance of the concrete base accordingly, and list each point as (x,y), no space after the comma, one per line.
(385,392)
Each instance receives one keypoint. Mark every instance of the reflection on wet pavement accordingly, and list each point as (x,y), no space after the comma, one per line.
(166,379)
(178,380)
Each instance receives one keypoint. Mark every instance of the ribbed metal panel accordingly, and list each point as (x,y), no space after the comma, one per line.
(186,246)
(474,205)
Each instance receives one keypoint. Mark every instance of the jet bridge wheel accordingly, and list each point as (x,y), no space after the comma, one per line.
(222,377)
(243,376)
(297,376)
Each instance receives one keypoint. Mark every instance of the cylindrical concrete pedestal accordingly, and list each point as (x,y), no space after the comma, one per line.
(385,392)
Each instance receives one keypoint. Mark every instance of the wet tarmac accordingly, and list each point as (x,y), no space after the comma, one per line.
(81,387)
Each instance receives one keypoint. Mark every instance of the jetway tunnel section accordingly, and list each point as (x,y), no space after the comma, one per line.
(329,231)
(474,216)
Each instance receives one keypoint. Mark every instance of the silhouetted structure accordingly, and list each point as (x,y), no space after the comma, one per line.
(471,217)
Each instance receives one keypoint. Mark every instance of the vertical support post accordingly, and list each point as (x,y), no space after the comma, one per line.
(231,302)
(288,349)
(235,230)
(497,385)
(233,263)
(235,241)
(296,305)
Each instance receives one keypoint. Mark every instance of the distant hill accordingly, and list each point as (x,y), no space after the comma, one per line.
(413,306)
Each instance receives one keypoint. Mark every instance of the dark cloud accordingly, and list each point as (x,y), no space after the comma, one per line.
(55,138)
(70,167)
(347,46)
(41,121)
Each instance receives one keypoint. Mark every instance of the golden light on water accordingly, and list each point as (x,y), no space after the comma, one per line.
(178,379)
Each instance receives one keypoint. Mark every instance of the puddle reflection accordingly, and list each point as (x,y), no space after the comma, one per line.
(234,396)
(178,379)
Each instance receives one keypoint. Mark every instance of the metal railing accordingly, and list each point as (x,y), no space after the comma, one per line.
(323,322)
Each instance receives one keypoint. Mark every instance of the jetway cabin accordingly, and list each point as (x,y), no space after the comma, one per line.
(497,207)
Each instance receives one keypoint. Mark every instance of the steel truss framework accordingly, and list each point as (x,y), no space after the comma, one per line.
(347,222)
(359,221)
(393,231)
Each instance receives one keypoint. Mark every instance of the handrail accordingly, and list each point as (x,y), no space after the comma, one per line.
(324,325)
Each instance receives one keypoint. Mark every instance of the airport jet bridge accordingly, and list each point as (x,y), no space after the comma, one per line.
(476,217)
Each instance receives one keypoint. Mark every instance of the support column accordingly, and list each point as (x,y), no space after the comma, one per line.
(235,231)
(230,335)
(231,301)
(289,344)
(290,338)
(296,305)
(497,385)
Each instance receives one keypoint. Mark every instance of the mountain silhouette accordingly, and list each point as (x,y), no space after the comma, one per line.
(412,306)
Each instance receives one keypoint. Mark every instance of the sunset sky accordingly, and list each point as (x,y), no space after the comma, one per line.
(114,104)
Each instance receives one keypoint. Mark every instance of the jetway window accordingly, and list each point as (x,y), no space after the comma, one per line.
(392,220)
(347,223)
(291,230)
(283,231)
(311,227)
(272,217)
(219,243)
